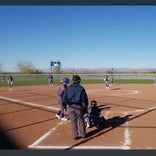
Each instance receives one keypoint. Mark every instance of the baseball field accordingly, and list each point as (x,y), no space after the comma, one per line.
(27,118)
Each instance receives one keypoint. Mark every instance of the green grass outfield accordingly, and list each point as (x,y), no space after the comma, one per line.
(42,79)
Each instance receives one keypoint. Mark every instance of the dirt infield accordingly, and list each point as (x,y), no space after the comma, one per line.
(28,119)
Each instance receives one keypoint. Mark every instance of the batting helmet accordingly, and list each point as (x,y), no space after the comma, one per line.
(65,80)
(76,78)
(93,103)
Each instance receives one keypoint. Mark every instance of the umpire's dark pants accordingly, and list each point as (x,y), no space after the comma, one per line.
(76,113)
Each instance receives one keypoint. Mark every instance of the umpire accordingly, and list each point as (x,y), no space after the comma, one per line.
(77,100)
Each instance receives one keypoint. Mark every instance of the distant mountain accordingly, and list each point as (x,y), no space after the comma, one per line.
(102,70)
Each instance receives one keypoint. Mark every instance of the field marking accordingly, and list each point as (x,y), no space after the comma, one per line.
(127,139)
(56,109)
(127,92)
(35,144)
(29,103)
(132,111)
(125,146)
(82,147)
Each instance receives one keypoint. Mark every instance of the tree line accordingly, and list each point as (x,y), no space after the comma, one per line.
(26,67)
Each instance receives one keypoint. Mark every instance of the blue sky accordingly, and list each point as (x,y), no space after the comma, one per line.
(78,36)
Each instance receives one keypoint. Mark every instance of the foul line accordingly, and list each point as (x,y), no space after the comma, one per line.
(29,103)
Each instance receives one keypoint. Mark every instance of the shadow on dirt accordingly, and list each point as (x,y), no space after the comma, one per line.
(6,142)
(116,89)
(107,126)
(116,121)
(110,123)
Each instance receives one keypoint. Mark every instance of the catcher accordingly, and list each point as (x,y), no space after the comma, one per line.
(94,117)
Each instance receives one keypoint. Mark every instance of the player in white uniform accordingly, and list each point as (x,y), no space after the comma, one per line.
(107,83)
(50,80)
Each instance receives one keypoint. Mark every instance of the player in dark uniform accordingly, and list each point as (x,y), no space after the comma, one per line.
(77,100)
(94,116)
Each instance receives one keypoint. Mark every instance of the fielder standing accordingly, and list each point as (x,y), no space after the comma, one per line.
(50,80)
(107,85)
(10,83)
(154,80)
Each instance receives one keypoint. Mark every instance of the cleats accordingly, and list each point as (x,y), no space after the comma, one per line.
(64,119)
(58,116)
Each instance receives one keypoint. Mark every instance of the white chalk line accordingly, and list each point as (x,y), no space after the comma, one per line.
(29,103)
(127,92)
(133,111)
(82,147)
(127,139)
(50,107)
(37,142)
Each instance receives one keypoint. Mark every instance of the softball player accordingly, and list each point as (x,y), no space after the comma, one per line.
(94,117)
(50,80)
(154,80)
(10,83)
(60,92)
(107,83)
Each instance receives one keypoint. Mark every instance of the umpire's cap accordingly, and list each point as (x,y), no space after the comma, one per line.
(76,78)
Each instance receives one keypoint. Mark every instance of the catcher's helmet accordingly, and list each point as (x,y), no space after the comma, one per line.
(76,78)
(65,80)
(93,103)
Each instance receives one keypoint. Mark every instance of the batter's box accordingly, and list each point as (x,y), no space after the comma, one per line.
(60,137)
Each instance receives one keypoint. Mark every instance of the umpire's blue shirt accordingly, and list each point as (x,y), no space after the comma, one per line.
(75,94)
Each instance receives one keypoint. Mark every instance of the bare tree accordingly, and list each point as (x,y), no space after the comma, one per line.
(26,67)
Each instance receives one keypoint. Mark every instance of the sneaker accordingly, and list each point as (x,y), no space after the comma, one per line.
(64,119)
(58,116)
